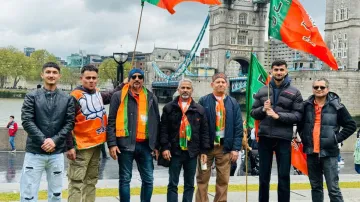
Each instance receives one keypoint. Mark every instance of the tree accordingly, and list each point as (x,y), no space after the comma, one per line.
(40,57)
(108,70)
(70,76)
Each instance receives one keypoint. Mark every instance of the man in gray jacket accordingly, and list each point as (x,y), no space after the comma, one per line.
(132,133)
(47,116)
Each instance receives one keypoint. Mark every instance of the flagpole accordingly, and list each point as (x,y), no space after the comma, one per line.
(268,62)
(137,36)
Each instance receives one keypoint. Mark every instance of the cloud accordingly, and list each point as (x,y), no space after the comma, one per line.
(102,27)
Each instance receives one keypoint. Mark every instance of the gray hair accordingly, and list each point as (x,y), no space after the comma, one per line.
(322,79)
(185,80)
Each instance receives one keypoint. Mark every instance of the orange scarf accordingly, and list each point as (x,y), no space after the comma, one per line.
(220,117)
(122,115)
(185,127)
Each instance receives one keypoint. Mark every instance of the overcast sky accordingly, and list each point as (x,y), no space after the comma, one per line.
(104,26)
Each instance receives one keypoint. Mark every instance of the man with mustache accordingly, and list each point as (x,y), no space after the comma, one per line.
(184,135)
(132,134)
(277,116)
(226,132)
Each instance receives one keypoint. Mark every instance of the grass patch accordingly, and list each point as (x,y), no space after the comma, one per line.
(113,192)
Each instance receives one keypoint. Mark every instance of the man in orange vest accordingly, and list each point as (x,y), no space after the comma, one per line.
(88,136)
(132,134)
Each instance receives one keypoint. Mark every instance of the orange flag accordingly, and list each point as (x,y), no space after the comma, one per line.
(170,4)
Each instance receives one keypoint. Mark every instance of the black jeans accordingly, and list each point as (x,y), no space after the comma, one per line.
(282,150)
(327,166)
(189,165)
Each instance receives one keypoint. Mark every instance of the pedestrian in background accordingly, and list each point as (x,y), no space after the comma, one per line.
(12,129)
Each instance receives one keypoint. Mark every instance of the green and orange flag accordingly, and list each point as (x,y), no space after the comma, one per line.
(170,4)
(256,79)
(290,23)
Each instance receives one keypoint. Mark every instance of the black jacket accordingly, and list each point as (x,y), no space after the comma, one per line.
(47,114)
(128,143)
(170,126)
(333,115)
(289,107)
(233,124)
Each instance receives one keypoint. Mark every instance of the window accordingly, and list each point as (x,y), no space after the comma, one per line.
(233,40)
(339,54)
(231,19)
(242,40)
(243,19)
(345,36)
(254,21)
(334,37)
(337,15)
(250,41)
(342,14)
(345,54)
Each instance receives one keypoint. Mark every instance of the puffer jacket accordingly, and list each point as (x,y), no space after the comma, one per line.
(333,116)
(288,105)
(47,114)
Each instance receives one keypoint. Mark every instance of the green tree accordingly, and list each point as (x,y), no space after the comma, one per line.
(108,70)
(40,57)
(70,76)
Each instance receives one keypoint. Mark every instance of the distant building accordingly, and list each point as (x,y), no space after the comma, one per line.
(296,60)
(61,61)
(93,59)
(140,59)
(28,51)
(75,60)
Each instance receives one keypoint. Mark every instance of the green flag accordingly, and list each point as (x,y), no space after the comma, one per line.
(257,78)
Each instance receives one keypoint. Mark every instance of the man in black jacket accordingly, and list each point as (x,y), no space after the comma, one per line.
(320,133)
(47,116)
(184,135)
(132,134)
(277,116)
(226,131)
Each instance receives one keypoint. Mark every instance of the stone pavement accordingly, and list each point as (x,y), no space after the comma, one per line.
(350,194)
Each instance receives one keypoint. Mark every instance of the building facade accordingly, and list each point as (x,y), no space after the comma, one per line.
(28,51)
(342,32)
(236,28)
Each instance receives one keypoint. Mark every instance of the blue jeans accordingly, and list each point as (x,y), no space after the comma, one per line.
(189,165)
(357,168)
(12,142)
(144,161)
(34,165)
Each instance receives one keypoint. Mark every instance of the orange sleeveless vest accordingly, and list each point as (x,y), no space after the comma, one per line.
(90,120)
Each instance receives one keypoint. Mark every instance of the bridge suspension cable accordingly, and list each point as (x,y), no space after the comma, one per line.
(183,67)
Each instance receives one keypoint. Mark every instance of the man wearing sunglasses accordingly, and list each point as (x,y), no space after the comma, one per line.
(132,134)
(277,116)
(320,133)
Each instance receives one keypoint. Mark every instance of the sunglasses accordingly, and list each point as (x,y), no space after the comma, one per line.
(319,87)
(138,76)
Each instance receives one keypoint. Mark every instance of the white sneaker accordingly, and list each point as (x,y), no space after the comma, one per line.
(341,162)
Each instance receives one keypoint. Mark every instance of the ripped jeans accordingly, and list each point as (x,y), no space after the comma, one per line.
(34,165)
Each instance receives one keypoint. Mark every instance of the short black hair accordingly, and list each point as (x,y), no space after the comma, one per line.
(279,63)
(12,116)
(90,68)
(51,64)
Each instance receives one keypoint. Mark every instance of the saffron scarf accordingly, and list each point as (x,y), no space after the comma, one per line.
(122,115)
(185,127)
(220,117)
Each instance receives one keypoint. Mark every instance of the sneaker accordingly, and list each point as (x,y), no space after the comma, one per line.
(341,162)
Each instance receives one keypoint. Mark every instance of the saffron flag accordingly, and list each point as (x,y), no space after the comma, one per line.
(256,79)
(298,158)
(290,23)
(170,4)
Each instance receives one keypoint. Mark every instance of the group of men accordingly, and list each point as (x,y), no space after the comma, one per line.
(188,135)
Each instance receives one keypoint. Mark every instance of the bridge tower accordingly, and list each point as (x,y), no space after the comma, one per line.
(342,32)
(237,27)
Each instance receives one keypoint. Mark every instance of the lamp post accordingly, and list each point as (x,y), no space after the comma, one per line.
(120,59)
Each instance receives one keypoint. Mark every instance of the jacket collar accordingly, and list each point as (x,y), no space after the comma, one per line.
(285,83)
(82,88)
(176,101)
(332,99)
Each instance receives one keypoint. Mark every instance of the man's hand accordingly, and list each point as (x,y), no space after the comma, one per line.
(166,155)
(270,112)
(71,154)
(156,153)
(203,158)
(267,105)
(234,156)
(48,145)
(114,150)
